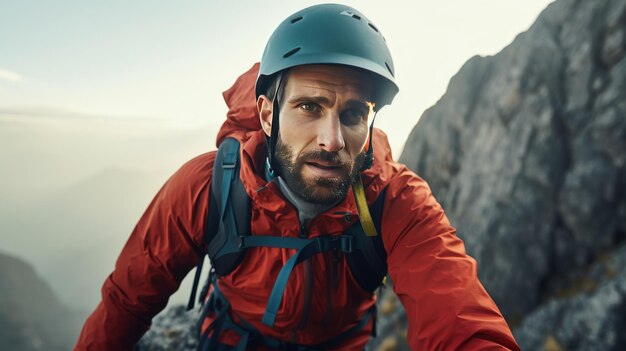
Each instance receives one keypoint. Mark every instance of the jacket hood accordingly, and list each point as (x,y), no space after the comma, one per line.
(242,119)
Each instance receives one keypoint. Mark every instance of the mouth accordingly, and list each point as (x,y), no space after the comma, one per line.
(325,169)
(324,165)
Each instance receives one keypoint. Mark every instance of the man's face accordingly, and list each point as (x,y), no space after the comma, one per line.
(323,129)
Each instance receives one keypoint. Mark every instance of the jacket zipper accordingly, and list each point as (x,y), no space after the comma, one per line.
(308,285)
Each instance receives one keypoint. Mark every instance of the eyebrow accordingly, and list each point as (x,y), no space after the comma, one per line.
(322,100)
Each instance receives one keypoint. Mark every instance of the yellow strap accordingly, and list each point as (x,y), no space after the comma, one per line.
(364,212)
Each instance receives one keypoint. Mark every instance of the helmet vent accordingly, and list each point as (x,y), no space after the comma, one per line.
(296,19)
(373,27)
(389,68)
(294,50)
(350,14)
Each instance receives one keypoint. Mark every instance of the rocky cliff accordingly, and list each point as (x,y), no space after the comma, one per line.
(526,152)
(31,316)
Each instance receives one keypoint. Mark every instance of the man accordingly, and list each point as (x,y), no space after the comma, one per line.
(303,121)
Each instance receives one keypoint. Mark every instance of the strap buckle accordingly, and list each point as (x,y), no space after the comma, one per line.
(229,162)
(240,241)
(341,243)
(346,243)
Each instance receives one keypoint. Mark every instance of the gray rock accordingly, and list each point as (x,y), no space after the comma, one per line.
(526,151)
(173,330)
(592,319)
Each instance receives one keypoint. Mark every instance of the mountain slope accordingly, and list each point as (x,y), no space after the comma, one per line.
(31,316)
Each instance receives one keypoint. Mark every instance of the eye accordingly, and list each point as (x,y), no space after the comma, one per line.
(353,116)
(308,107)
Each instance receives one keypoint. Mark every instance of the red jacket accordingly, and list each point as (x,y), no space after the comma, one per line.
(436,281)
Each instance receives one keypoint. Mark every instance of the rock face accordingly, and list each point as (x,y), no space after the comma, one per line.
(31,317)
(591,320)
(526,152)
(173,330)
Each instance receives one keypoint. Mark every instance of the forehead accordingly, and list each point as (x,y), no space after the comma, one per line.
(330,79)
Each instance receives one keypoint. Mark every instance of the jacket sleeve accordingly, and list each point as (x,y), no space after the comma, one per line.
(436,281)
(164,246)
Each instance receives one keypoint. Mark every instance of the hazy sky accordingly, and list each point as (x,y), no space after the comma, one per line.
(171,60)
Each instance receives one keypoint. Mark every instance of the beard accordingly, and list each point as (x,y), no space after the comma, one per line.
(318,190)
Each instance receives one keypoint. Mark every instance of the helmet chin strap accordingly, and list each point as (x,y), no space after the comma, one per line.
(273,138)
(369,154)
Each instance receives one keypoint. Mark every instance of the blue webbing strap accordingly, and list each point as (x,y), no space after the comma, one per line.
(230,227)
(314,246)
(229,163)
(272,241)
(204,312)
(218,303)
(194,287)
(217,324)
(203,337)
(243,342)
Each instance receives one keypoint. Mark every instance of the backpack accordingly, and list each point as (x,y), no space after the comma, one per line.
(228,236)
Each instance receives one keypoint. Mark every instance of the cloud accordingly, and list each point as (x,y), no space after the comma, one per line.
(10,76)
(47,112)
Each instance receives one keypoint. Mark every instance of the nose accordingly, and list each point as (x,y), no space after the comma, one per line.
(329,136)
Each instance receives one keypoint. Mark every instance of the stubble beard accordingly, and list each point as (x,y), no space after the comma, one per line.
(319,190)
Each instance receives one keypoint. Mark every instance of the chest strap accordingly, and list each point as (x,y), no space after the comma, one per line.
(307,248)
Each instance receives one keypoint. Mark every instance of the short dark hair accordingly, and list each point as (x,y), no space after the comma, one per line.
(270,91)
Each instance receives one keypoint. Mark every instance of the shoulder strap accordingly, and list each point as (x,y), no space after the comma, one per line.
(368,263)
(232,219)
(367,222)
(224,225)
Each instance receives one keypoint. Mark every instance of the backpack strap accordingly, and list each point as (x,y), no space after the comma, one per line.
(234,210)
(368,262)
(227,193)
(367,222)
(307,248)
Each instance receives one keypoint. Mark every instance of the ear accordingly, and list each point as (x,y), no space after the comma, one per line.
(264,106)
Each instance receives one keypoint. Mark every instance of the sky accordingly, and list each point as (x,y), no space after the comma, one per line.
(168,62)
(101,101)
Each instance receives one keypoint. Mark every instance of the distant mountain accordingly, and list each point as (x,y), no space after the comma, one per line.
(78,231)
(73,188)
(31,317)
(39,155)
